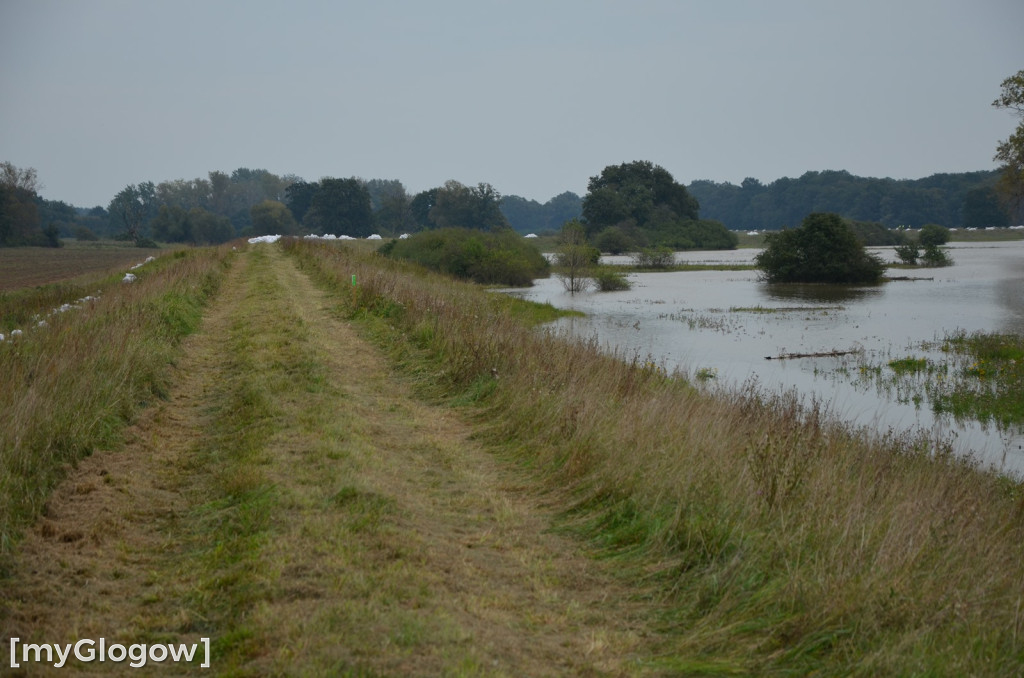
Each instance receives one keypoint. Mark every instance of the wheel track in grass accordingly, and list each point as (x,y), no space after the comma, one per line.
(293,501)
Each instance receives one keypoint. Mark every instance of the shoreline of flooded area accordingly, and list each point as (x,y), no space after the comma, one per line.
(722,325)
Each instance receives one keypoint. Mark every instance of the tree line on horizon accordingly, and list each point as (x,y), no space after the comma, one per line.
(959,200)
(249,202)
(246,202)
(635,204)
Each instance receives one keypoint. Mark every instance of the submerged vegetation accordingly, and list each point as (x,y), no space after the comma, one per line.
(992,386)
(781,541)
(931,237)
(610,279)
(977,376)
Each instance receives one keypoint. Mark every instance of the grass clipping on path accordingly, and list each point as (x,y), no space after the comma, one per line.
(70,387)
(784,541)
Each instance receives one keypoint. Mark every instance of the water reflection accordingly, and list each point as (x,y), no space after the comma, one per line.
(728,322)
(1010,293)
(819,294)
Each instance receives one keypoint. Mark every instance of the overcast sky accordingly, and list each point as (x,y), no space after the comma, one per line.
(531,96)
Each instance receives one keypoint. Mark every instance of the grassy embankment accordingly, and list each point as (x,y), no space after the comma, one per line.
(69,387)
(784,543)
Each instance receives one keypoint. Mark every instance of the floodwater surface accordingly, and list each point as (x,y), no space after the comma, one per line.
(723,325)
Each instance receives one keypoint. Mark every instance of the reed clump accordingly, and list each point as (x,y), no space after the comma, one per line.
(777,539)
(68,387)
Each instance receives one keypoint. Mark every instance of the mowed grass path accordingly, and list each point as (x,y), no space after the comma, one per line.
(294,502)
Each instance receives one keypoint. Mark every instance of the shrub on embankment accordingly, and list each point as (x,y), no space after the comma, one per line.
(501,257)
(69,386)
(781,542)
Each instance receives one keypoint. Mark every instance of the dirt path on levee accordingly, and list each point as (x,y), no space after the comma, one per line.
(295,503)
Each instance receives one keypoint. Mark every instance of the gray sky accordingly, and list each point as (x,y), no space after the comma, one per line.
(531,96)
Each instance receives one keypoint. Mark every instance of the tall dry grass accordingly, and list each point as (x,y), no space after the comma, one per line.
(69,387)
(782,540)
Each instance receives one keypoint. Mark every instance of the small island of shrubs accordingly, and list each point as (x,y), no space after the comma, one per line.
(824,249)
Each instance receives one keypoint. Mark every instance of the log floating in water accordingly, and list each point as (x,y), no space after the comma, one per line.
(825,354)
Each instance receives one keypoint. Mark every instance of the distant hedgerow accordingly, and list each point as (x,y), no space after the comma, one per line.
(499,257)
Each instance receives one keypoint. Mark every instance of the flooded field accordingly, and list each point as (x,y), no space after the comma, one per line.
(723,326)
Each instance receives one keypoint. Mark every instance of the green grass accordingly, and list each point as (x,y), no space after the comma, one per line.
(70,387)
(911,365)
(232,519)
(288,558)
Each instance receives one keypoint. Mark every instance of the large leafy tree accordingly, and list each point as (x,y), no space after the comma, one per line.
(210,228)
(460,206)
(382,189)
(220,192)
(420,207)
(341,207)
(172,225)
(252,186)
(1011,152)
(271,217)
(639,191)
(184,193)
(132,207)
(196,226)
(299,198)
(391,205)
(14,177)
(395,215)
(19,214)
(643,201)
(248,187)
(824,249)
(562,208)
